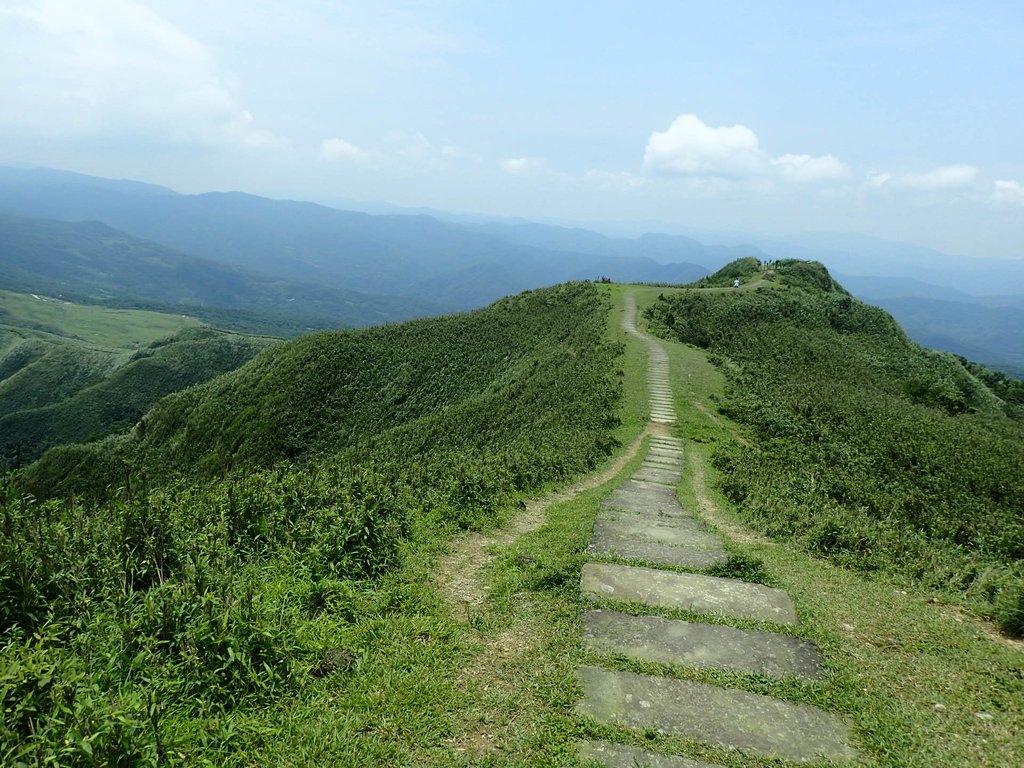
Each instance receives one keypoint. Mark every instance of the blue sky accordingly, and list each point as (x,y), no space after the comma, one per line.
(900,120)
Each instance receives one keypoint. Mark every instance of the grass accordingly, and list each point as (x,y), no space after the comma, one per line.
(923,681)
(632,369)
(917,679)
(110,328)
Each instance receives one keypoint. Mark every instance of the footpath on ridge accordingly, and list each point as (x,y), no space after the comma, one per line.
(642,522)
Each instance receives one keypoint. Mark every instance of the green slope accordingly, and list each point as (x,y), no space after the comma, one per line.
(135,630)
(326,392)
(868,449)
(71,372)
(90,402)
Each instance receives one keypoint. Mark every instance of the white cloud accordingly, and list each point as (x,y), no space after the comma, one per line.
(1008,191)
(340,149)
(412,146)
(614,179)
(879,178)
(521,166)
(946,177)
(807,169)
(115,67)
(691,147)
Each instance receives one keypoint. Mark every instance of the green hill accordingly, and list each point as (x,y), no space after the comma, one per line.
(867,448)
(71,373)
(71,393)
(322,462)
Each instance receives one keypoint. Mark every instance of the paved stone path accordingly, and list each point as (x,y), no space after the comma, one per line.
(642,524)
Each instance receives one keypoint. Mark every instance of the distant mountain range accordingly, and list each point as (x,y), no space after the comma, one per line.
(94,262)
(347,268)
(449,265)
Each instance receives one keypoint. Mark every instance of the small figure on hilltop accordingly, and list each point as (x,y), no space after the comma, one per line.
(736,283)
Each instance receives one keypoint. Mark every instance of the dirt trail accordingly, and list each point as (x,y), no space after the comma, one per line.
(460,572)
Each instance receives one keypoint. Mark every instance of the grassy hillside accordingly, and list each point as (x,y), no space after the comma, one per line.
(90,402)
(71,372)
(100,326)
(869,450)
(150,628)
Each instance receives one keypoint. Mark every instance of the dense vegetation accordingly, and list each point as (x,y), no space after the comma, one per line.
(135,626)
(869,449)
(54,392)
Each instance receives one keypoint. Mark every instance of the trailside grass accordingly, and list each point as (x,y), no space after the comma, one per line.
(632,367)
(110,328)
(923,681)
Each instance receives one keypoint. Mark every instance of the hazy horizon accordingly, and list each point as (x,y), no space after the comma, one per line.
(895,122)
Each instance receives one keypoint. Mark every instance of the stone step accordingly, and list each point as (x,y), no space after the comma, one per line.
(666,449)
(661,462)
(652,493)
(620,756)
(704,555)
(652,638)
(725,717)
(686,591)
(668,531)
(666,476)
(650,509)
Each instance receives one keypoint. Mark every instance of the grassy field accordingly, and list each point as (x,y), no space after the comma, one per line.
(103,327)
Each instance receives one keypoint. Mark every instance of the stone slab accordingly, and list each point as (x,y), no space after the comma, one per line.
(653,638)
(639,510)
(691,536)
(655,552)
(620,756)
(638,488)
(646,506)
(658,450)
(666,447)
(650,508)
(686,591)
(665,476)
(662,462)
(725,717)
(661,466)
(657,493)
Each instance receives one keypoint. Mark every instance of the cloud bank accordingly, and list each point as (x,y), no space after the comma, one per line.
(1008,191)
(115,67)
(690,147)
(943,178)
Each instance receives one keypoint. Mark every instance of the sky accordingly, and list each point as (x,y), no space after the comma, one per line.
(901,120)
